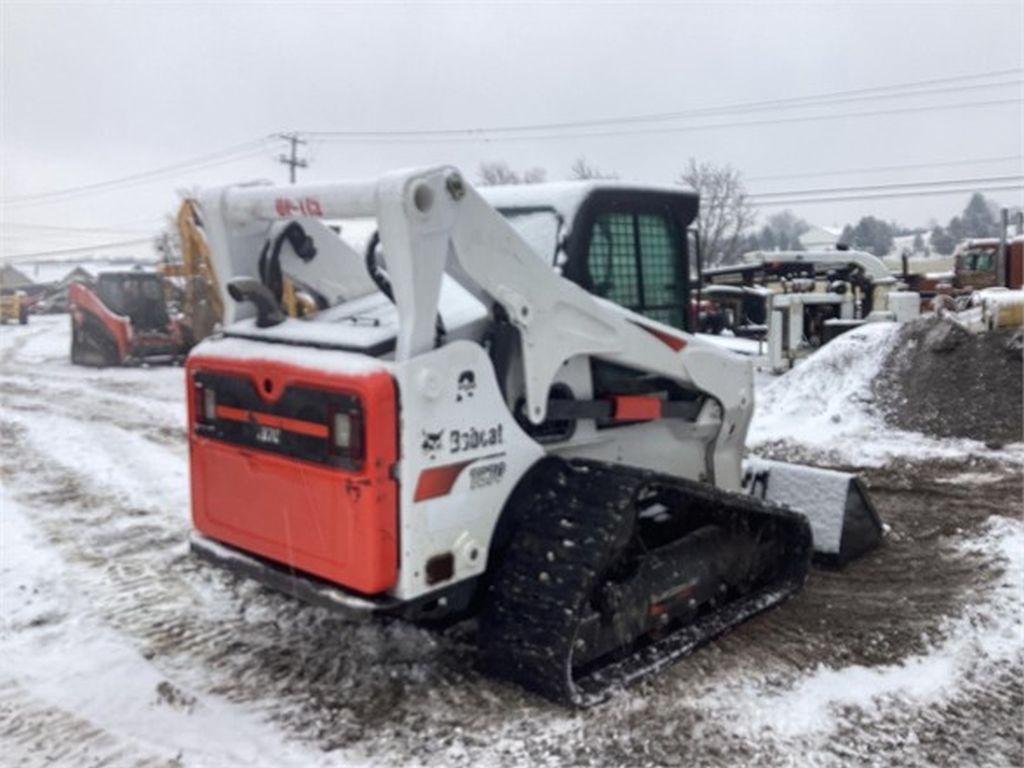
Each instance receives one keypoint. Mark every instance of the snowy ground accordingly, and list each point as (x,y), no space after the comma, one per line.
(116,648)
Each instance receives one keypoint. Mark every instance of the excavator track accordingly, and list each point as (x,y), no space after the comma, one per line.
(615,573)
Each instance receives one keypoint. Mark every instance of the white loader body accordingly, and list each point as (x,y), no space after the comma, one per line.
(455,258)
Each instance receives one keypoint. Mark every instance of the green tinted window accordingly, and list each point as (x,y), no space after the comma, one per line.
(660,260)
(612,259)
(648,281)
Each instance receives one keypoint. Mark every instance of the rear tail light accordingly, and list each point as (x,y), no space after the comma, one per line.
(199,394)
(347,434)
(209,405)
(341,435)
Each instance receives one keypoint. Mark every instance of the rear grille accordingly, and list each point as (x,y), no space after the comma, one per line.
(298,424)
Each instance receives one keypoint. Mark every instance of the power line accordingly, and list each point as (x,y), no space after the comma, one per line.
(220,157)
(80,249)
(885,195)
(249,149)
(685,128)
(897,185)
(791,102)
(59,196)
(879,168)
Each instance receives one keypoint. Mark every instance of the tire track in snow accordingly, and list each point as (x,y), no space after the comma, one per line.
(147,588)
(82,681)
(35,733)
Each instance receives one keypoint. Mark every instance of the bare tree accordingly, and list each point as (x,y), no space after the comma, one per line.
(167,242)
(498,172)
(534,176)
(492,173)
(581,169)
(783,231)
(725,211)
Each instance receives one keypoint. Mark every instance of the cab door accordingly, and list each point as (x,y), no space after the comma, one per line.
(634,252)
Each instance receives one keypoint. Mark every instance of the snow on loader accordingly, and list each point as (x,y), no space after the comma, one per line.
(123,319)
(475,426)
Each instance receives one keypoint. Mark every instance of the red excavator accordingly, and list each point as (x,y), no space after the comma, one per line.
(136,315)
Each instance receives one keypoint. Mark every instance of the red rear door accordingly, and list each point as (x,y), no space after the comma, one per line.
(294,465)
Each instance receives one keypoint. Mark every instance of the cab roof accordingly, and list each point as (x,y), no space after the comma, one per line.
(566,197)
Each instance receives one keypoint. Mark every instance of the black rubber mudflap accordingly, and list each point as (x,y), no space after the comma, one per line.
(575,519)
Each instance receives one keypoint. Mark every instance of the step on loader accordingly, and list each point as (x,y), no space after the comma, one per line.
(500,411)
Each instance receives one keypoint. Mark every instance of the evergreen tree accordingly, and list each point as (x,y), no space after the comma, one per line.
(941,241)
(978,219)
(786,229)
(870,234)
(956,229)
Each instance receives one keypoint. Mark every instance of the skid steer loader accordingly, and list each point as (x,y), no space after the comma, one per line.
(500,413)
(123,319)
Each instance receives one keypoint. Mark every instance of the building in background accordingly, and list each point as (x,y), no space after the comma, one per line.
(818,238)
(13,278)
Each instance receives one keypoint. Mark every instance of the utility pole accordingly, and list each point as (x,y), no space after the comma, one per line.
(292,160)
(1004,232)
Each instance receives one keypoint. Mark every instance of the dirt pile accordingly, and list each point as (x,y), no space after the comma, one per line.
(943,380)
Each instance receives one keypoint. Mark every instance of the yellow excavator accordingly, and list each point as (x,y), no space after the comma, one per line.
(201,304)
(200,301)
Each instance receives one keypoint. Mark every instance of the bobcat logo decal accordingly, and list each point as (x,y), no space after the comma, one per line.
(432,441)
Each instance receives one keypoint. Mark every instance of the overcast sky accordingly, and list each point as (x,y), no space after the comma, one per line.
(93,92)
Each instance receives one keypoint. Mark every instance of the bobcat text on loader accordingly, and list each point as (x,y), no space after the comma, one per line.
(501,412)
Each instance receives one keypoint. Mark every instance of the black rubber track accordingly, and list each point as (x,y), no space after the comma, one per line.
(570,521)
(575,517)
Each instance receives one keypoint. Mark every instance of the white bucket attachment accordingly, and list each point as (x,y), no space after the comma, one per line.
(843,520)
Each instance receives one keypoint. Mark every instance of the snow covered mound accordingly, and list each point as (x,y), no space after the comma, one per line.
(864,398)
(941,379)
(826,401)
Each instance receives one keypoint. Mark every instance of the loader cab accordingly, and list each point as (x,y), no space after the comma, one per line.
(627,245)
(137,295)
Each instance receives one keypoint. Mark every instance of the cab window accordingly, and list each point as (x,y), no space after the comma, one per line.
(980,261)
(614,270)
(636,259)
